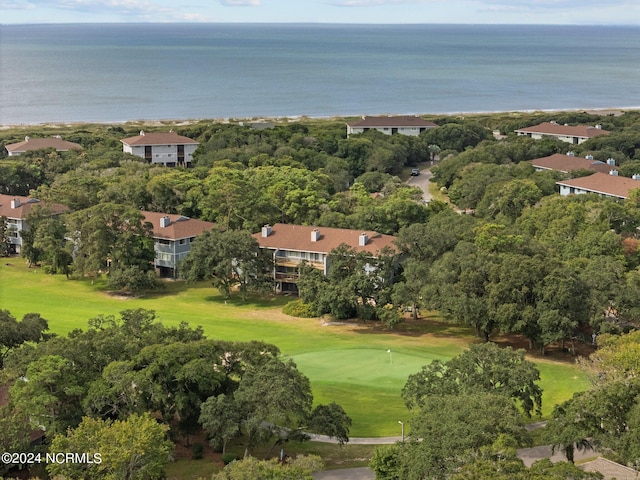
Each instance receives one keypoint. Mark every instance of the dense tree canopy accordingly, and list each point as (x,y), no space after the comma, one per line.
(485,368)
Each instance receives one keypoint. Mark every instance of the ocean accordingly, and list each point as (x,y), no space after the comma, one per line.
(126,72)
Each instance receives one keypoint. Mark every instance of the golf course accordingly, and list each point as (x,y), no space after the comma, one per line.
(361,366)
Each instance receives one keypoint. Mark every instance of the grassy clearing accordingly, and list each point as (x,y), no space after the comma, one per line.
(348,363)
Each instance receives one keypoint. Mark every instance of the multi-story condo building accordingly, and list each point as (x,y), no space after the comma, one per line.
(567,133)
(164,148)
(30,144)
(569,163)
(404,125)
(611,185)
(173,235)
(15,209)
(292,244)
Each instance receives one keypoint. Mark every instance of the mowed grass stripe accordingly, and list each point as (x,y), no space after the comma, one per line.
(348,364)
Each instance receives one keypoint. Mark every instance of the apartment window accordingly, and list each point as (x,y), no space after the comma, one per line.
(163,241)
(164,257)
(183,241)
(192,239)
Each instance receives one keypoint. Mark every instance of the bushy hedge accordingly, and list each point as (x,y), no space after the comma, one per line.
(298,308)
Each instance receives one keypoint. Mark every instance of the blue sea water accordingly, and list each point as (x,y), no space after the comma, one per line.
(121,72)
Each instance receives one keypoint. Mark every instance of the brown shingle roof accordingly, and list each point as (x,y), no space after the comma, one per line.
(401,121)
(298,238)
(179,226)
(568,163)
(158,138)
(24,205)
(602,183)
(551,128)
(30,144)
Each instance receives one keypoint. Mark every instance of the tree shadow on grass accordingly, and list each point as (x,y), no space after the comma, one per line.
(252,301)
(416,328)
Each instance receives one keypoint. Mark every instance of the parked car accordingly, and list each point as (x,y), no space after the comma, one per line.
(415,171)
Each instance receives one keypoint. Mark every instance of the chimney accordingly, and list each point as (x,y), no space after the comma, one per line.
(363,239)
(165,221)
(315,235)
(571,154)
(15,203)
(635,176)
(26,139)
(142,133)
(589,157)
(613,172)
(266,231)
(611,161)
(599,127)
(553,122)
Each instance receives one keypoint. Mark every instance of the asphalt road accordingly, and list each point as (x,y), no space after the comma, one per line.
(422,182)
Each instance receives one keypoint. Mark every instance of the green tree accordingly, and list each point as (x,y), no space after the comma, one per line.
(566,432)
(29,249)
(331,420)
(5,245)
(450,428)
(273,396)
(110,236)
(49,240)
(51,392)
(484,368)
(509,199)
(433,150)
(454,136)
(32,328)
(135,449)
(221,418)
(385,462)
(227,258)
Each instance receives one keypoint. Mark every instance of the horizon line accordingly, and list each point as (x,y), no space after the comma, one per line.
(324,23)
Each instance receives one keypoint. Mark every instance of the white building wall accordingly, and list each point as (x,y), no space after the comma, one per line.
(162,154)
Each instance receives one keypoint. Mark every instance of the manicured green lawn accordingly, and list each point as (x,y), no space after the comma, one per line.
(346,363)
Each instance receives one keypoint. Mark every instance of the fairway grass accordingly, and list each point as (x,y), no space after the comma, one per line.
(347,363)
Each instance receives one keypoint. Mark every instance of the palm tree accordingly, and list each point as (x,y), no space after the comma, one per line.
(434,150)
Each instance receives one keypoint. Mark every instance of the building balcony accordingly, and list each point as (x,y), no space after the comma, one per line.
(294,262)
(287,277)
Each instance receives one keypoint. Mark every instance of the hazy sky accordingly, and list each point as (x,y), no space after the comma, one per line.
(619,12)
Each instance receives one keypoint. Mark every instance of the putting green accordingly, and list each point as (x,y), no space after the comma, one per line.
(363,367)
(370,379)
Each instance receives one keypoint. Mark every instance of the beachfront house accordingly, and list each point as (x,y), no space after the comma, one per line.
(292,244)
(569,163)
(404,125)
(173,236)
(163,148)
(44,143)
(15,209)
(566,133)
(608,185)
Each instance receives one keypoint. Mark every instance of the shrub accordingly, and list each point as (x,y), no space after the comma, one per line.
(197,451)
(227,458)
(299,309)
(132,279)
